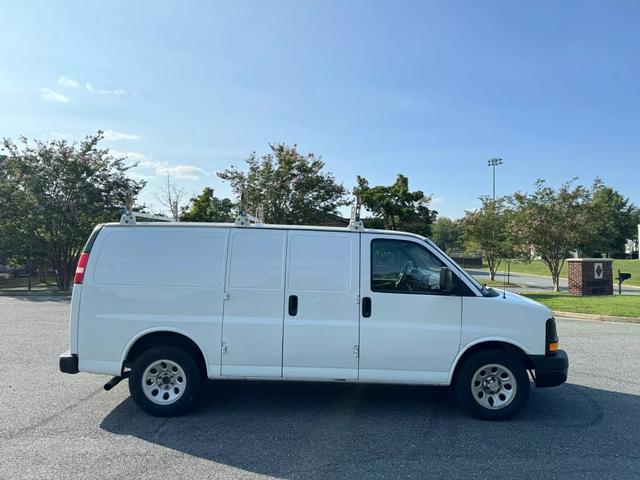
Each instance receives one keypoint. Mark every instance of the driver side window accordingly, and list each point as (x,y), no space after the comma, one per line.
(399,266)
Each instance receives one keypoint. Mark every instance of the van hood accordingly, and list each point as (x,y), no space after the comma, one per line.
(516,299)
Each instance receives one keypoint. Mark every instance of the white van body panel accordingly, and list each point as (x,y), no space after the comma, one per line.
(227,288)
(513,317)
(152,278)
(164,329)
(76,294)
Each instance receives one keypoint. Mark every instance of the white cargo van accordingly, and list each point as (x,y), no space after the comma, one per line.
(170,305)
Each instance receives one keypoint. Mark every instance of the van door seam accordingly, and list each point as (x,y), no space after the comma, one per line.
(224,292)
(285,280)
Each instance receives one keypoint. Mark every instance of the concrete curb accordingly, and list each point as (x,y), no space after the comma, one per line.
(597,318)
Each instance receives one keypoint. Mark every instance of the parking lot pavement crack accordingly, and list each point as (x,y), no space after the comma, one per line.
(158,431)
(50,418)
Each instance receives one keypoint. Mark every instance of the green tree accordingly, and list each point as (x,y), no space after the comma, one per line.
(487,228)
(447,234)
(55,193)
(612,221)
(206,207)
(551,223)
(289,188)
(396,206)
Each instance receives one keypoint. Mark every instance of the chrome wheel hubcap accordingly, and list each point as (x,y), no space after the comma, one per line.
(493,386)
(164,382)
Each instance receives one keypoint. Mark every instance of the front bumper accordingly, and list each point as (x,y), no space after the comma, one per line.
(550,370)
(68,362)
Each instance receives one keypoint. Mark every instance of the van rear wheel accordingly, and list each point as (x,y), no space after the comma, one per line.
(165,381)
(492,385)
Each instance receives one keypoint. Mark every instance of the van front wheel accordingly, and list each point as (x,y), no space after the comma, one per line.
(165,381)
(492,385)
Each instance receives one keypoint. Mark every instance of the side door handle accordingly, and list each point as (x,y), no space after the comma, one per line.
(293,305)
(366,307)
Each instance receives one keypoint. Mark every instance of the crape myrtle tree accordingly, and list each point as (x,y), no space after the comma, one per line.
(612,219)
(53,193)
(286,186)
(487,229)
(206,207)
(550,223)
(447,234)
(15,222)
(395,207)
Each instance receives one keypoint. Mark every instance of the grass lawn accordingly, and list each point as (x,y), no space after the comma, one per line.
(614,305)
(538,268)
(496,283)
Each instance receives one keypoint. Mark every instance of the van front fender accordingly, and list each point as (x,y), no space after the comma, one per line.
(489,342)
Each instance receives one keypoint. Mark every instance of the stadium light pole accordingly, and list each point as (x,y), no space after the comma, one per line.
(494,162)
(30,262)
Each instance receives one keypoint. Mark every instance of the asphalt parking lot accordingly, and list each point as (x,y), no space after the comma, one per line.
(65,426)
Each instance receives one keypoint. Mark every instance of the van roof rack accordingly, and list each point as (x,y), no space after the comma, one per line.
(355,223)
(128,217)
(244,219)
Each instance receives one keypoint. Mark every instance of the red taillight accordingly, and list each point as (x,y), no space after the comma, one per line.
(82,264)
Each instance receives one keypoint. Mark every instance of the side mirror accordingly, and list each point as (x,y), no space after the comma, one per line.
(446,279)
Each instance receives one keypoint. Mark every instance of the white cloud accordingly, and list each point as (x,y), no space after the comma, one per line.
(114,135)
(53,96)
(437,201)
(67,82)
(185,172)
(117,92)
(149,169)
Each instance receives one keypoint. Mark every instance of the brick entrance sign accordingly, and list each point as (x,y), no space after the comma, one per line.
(590,276)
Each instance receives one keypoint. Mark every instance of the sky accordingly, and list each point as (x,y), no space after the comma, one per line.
(429,89)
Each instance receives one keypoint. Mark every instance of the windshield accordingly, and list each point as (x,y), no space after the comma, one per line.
(486,291)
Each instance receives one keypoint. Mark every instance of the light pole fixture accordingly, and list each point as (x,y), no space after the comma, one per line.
(494,162)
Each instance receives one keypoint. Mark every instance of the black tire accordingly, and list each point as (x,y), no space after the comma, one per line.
(467,392)
(192,381)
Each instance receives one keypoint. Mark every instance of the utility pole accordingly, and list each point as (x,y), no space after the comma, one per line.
(494,162)
(29,263)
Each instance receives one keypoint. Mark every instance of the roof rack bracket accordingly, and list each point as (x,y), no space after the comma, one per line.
(128,217)
(355,223)
(243,219)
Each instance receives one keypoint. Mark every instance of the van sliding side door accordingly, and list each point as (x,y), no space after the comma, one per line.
(253,312)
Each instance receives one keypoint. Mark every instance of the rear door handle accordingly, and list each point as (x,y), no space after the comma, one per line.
(293,305)
(366,307)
